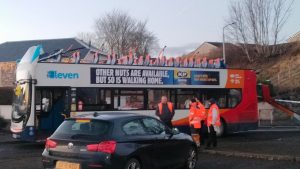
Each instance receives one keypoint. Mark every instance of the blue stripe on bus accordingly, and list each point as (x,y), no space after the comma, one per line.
(36,53)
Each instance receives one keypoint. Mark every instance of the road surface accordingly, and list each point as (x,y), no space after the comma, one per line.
(20,155)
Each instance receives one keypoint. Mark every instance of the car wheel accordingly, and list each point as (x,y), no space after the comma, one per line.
(133,164)
(192,159)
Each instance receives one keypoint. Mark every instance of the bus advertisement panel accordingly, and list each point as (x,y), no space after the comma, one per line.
(131,76)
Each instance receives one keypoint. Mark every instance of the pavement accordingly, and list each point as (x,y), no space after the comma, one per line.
(209,161)
(272,141)
(248,150)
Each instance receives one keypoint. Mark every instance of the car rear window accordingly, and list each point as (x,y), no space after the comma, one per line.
(83,129)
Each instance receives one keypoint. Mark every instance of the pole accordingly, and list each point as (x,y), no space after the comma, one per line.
(224,54)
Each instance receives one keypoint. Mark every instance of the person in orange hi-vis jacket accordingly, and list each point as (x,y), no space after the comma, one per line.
(213,122)
(195,118)
(202,131)
(165,111)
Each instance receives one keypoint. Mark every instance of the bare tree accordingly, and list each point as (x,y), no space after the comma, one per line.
(258,24)
(121,32)
(143,40)
(90,38)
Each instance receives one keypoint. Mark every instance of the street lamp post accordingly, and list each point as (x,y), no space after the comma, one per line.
(224,55)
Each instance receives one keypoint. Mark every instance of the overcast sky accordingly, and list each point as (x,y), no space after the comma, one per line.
(175,22)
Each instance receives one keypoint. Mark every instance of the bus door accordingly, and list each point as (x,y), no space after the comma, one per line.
(52,106)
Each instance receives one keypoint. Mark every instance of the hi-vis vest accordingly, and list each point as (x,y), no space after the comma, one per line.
(170,107)
(210,116)
(196,115)
(202,110)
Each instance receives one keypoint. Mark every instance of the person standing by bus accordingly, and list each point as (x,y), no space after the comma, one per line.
(203,116)
(213,122)
(165,111)
(195,121)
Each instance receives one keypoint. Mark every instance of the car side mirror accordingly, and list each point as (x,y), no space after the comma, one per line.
(172,131)
(175,131)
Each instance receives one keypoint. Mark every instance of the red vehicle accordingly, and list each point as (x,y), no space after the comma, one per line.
(237,99)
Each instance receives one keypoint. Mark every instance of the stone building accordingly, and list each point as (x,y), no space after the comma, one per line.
(213,50)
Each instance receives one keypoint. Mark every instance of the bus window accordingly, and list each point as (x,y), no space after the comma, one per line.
(220,95)
(222,101)
(87,99)
(184,97)
(226,98)
(46,101)
(105,99)
(93,99)
(154,97)
(129,99)
(38,99)
(87,95)
(234,97)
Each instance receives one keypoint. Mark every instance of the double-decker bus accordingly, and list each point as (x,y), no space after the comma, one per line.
(48,92)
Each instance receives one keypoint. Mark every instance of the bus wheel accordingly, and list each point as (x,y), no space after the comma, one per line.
(222,129)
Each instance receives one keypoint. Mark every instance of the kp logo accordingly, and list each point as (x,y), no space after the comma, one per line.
(52,74)
(182,74)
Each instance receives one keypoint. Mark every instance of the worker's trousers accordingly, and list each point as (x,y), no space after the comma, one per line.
(212,137)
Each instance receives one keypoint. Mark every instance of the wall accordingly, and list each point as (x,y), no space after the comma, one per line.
(7,74)
(7,78)
(265,111)
(5,111)
(284,75)
(205,49)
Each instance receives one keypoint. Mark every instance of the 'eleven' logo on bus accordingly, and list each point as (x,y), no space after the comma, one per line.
(235,78)
(53,74)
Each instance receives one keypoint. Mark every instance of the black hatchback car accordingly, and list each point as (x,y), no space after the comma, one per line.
(118,141)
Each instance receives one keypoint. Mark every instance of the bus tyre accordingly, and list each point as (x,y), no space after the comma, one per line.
(222,129)
(133,164)
(192,158)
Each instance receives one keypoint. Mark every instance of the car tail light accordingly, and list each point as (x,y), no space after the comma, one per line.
(50,144)
(105,146)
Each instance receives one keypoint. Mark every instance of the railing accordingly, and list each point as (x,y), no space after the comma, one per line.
(139,61)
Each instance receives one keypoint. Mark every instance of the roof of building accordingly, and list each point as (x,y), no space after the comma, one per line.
(220,44)
(12,51)
(217,44)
